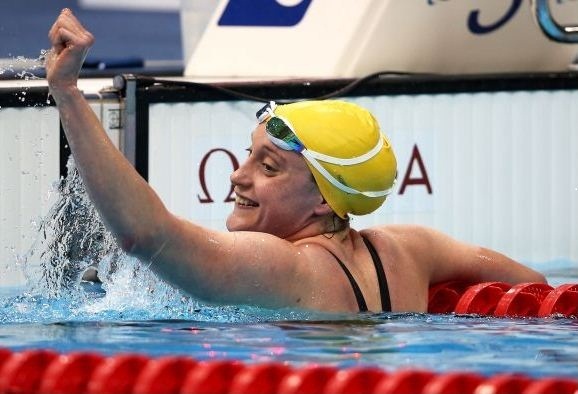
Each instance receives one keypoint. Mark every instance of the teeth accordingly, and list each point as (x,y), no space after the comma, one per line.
(245,202)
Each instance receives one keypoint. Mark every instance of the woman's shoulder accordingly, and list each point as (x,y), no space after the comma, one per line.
(396,230)
(408,239)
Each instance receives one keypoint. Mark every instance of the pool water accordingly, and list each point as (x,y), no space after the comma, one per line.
(88,320)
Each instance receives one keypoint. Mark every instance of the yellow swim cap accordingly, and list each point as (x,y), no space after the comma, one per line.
(349,134)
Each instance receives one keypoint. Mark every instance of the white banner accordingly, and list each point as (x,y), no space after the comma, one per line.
(353,38)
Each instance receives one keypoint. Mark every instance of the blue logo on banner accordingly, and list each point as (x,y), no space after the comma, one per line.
(477,28)
(262,13)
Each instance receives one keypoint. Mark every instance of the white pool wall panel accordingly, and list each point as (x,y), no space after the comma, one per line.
(29,167)
(29,175)
(180,138)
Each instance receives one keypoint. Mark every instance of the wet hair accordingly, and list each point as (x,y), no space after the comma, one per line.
(338,224)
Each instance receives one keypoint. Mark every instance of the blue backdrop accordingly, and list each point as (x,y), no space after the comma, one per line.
(119,35)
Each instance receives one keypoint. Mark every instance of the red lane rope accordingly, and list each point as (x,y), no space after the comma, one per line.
(47,372)
(43,371)
(501,299)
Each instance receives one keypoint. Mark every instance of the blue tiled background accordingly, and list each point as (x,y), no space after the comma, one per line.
(145,35)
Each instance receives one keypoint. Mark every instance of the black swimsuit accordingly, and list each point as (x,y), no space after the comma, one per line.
(383,288)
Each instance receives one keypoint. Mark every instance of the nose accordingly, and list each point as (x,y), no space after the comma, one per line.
(239,177)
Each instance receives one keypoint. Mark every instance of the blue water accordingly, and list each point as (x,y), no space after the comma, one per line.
(89,318)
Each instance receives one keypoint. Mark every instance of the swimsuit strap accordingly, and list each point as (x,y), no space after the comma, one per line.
(381,278)
(356,290)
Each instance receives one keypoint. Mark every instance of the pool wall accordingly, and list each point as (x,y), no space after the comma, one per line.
(491,159)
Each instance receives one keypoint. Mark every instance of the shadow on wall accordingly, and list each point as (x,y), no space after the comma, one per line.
(121,36)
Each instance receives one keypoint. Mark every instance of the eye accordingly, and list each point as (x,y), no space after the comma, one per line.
(249,150)
(268,168)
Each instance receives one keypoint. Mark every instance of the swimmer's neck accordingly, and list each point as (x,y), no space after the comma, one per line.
(326,227)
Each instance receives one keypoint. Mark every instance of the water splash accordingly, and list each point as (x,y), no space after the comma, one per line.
(70,238)
(26,69)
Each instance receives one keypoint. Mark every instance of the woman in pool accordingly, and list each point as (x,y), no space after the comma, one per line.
(311,164)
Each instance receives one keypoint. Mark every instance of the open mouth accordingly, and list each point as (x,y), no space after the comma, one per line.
(245,202)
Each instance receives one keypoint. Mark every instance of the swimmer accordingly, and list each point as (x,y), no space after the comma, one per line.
(311,165)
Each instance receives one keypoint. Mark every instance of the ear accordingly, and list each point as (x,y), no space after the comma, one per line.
(322,208)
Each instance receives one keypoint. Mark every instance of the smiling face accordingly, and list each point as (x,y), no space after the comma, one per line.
(275,191)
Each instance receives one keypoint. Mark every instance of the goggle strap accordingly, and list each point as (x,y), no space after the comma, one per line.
(266,112)
(282,144)
(339,185)
(353,160)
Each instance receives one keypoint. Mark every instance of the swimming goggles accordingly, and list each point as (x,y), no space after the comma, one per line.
(282,134)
